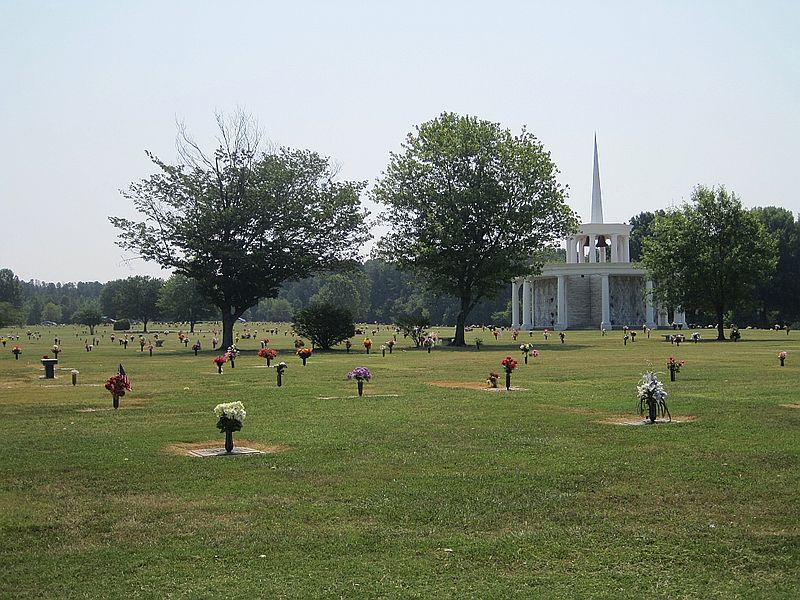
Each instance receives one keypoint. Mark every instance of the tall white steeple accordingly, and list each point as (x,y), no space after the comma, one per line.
(597,200)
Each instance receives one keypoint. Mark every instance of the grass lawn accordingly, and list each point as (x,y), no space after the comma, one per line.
(413,491)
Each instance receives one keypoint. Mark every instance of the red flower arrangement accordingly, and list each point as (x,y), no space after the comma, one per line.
(268,353)
(509,363)
(118,385)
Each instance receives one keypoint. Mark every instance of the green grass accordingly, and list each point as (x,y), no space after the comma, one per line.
(413,490)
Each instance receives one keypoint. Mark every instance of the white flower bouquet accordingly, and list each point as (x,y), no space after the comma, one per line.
(231,416)
(652,397)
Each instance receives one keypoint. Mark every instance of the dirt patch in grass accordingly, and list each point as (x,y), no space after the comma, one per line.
(183,448)
(470,385)
(627,420)
(795,405)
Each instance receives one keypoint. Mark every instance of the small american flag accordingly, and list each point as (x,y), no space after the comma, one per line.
(125,379)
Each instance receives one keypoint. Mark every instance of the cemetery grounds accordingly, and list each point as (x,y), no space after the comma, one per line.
(428,486)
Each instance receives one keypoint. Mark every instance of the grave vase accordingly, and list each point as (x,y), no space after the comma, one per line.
(360,387)
(229,439)
(651,411)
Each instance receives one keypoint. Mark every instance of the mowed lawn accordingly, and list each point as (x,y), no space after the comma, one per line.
(414,490)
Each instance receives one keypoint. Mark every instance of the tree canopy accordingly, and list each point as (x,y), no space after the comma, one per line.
(710,254)
(180,299)
(239,221)
(324,324)
(470,204)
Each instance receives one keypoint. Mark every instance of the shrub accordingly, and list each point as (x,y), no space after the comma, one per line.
(122,325)
(324,324)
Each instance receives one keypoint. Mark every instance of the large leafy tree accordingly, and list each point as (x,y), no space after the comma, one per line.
(710,254)
(324,324)
(10,288)
(89,314)
(138,298)
(470,204)
(239,221)
(641,228)
(777,296)
(181,300)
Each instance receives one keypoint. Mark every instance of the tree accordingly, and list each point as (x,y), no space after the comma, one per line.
(470,204)
(324,324)
(709,254)
(777,296)
(10,315)
(10,288)
(138,298)
(241,222)
(52,312)
(110,298)
(89,314)
(413,326)
(180,299)
(350,290)
(641,228)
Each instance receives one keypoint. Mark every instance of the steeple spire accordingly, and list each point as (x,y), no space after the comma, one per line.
(597,200)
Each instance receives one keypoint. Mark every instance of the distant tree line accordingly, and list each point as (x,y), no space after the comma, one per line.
(372,291)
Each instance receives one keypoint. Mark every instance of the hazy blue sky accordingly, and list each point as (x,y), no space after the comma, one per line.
(679,93)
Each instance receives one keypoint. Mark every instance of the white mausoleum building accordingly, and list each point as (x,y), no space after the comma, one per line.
(597,287)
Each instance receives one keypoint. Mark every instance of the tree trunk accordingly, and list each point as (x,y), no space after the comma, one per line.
(91,329)
(144,322)
(720,324)
(461,321)
(227,327)
(191,327)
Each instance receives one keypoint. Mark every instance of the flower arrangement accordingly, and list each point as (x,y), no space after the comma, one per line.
(428,343)
(528,349)
(17,350)
(492,379)
(264,342)
(56,349)
(299,343)
(360,374)
(230,417)
(230,414)
(219,361)
(367,344)
(304,353)
(347,345)
(268,354)
(118,384)
(652,397)
(390,344)
(782,356)
(674,367)
(509,364)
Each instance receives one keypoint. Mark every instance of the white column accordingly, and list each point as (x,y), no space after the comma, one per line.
(605,307)
(526,304)
(626,249)
(515,304)
(649,310)
(614,248)
(592,248)
(561,322)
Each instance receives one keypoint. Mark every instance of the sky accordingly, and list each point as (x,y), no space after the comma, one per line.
(678,94)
